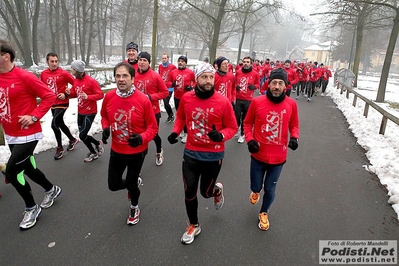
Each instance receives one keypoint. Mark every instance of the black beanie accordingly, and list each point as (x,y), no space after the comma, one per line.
(146,56)
(182,57)
(132,45)
(220,60)
(278,73)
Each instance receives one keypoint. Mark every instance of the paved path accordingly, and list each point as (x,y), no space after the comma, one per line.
(323,193)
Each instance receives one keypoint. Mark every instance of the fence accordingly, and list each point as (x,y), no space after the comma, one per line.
(385,114)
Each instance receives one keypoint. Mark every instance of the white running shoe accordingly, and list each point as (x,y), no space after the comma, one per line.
(159,158)
(241,139)
(30,217)
(218,200)
(191,232)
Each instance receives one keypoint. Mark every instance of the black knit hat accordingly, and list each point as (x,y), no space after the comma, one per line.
(278,73)
(146,56)
(182,57)
(132,45)
(220,60)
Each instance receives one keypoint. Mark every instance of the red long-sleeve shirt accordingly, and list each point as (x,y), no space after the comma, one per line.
(182,78)
(226,85)
(244,80)
(150,83)
(18,91)
(127,116)
(93,91)
(165,71)
(269,124)
(327,74)
(57,81)
(199,115)
(313,74)
(291,77)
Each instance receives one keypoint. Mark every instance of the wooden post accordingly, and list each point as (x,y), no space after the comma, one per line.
(2,140)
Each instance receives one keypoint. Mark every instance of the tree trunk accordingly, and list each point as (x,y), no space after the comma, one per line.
(154,34)
(125,27)
(67,32)
(35,45)
(2,140)
(25,33)
(217,26)
(388,59)
(90,35)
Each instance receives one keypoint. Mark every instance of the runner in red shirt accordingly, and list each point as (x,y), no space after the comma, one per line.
(57,80)
(271,127)
(210,122)
(164,70)
(127,115)
(151,84)
(19,115)
(182,80)
(88,92)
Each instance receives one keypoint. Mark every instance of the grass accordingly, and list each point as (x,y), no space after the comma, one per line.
(393,105)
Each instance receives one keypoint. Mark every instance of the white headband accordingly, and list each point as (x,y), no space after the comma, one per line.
(203,67)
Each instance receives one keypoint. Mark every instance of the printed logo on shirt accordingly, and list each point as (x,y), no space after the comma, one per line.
(179,81)
(52,84)
(243,83)
(165,75)
(5,110)
(223,89)
(199,124)
(272,129)
(122,125)
(141,86)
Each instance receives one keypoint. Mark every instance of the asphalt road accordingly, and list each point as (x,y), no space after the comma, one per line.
(324,193)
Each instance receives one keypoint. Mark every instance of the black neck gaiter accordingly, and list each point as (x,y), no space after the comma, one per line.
(273,99)
(204,94)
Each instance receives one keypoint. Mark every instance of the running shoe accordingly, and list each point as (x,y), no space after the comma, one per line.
(241,139)
(254,197)
(191,232)
(159,158)
(170,119)
(49,197)
(72,144)
(100,148)
(90,157)
(263,221)
(218,200)
(59,153)
(134,215)
(30,217)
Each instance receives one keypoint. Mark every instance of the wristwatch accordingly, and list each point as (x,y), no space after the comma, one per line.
(34,118)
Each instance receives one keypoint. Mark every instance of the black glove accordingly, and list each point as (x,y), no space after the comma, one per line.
(135,140)
(252,87)
(106,133)
(237,88)
(188,88)
(293,144)
(215,135)
(173,83)
(172,138)
(253,146)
